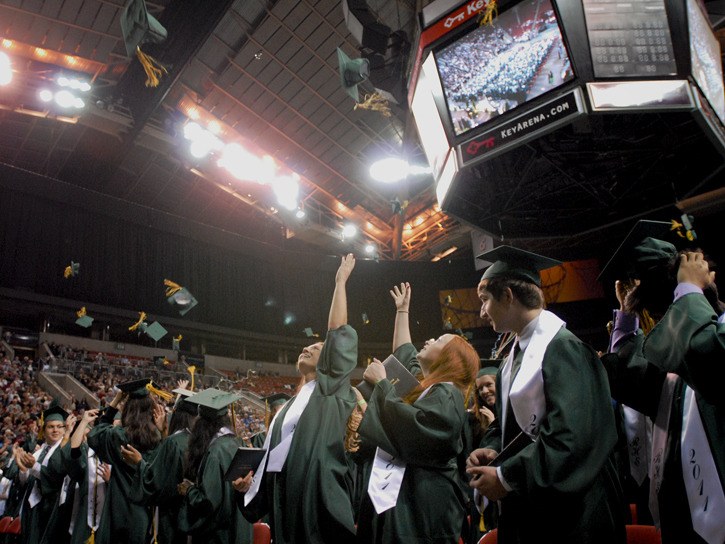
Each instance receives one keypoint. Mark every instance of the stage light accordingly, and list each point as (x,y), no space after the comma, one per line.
(85,86)
(370,249)
(389,170)
(286,189)
(349,230)
(46,95)
(65,99)
(79,103)
(300,214)
(199,149)
(289,318)
(6,69)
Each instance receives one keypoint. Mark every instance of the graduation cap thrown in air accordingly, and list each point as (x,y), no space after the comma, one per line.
(71,270)
(310,333)
(352,73)
(647,246)
(213,403)
(138,27)
(512,262)
(179,297)
(84,320)
(155,331)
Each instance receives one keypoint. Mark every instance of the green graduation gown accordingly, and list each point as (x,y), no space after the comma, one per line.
(564,484)
(427,435)
(155,485)
(208,513)
(687,341)
(77,468)
(310,500)
(122,520)
(56,532)
(35,520)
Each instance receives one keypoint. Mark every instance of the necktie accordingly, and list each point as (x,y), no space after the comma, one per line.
(516,363)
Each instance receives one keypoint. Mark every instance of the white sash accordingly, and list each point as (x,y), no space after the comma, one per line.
(702,483)
(526,393)
(386,477)
(638,430)
(659,443)
(259,473)
(278,455)
(35,495)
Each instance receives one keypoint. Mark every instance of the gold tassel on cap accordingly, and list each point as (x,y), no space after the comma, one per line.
(375,102)
(159,392)
(489,13)
(234,420)
(68,272)
(171,288)
(82,312)
(191,370)
(141,319)
(92,538)
(153,68)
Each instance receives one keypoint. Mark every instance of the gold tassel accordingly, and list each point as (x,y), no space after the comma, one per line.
(647,322)
(141,319)
(191,370)
(92,538)
(234,420)
(68,272)
(481,524)
(153,68)
(171,288)
(375,102)
(41,427)
(82,312)
(352,438)
(166,396)
(488,15)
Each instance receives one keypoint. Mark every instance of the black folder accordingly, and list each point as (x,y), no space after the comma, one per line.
(512,448)
(244,460)
(403,381)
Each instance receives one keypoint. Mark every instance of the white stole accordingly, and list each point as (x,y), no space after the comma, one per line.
(93,480)
(526,393)
(638,429)
(35,495)
(386,477)
(702,483)
(299,403)
(659,443)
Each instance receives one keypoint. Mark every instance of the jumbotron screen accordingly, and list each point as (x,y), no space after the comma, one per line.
(497,67)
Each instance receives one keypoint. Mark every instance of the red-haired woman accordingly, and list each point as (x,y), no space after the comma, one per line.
(414,493)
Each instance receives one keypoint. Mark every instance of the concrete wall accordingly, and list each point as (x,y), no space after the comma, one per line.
(90,344)
(240,365)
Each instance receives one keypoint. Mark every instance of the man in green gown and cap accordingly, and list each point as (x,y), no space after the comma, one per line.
(554,478)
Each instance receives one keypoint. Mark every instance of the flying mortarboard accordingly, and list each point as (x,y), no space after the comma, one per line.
(179,297)
(512,262)
(310,333)
(154,330)
(278,399)
(83,320)
(138,27)
(213,403)
(71,270)
(646,247)
(352,73)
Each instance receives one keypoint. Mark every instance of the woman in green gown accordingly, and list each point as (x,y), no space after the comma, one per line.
(305,483)
(418,439)
(208,513)
(124,521)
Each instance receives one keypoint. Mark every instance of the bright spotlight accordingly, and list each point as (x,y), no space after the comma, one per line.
(369,249)
(300,214)
(389,170)
(46,95)
(191,130)
(286,190)
(199,149)
(349,230)
(6,70)
(79,103)
(63,81)
(65,99)
(85,87)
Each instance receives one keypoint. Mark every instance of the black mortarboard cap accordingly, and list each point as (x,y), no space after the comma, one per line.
(512,262)
(137,388)
(647,246)
(182,401)
(54,413)
(276,399)
(213,402)
(138,26)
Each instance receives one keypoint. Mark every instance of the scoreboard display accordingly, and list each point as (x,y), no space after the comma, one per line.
(629,39)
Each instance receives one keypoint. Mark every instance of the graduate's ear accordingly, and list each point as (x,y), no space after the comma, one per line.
(508,295)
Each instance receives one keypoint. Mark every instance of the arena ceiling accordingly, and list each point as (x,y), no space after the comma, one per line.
(267,73)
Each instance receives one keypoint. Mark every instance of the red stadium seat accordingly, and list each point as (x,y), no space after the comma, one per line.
(262,534)
(643,534)
(633,514)
(4,522)
(490,537)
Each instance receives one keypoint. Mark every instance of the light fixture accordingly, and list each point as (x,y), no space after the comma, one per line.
(65,99)
(349,231)
(444,254)
(300,214)
(45,95)
(389,170)
(6,69)
(370,249)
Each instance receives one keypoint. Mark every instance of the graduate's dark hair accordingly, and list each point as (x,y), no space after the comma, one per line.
(529,295)
(180,419)
(202,433)
(138,423)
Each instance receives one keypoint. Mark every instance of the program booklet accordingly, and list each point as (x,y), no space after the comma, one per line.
(512,448)
(403,381)
(244,460)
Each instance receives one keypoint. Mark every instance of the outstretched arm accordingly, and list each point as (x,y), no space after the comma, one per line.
(338,308)
(401,333)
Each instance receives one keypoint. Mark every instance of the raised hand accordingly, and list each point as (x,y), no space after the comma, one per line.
(160,417)
(89,416)
(346,266)
(401,296)
(374,372)
(694,269)
(130,454)
(182,384)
